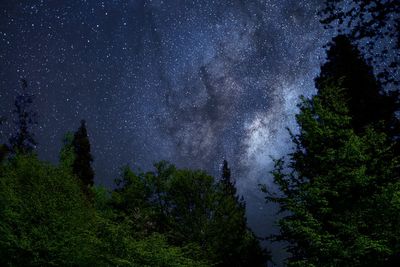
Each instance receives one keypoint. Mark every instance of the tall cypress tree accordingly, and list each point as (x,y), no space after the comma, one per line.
(82,164)
(22,141)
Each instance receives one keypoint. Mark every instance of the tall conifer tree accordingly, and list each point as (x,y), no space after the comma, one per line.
(3,147)
(231,227)
(340,191)
(22,141)
(226,180)
(374,26)
(82,164)
(367,102)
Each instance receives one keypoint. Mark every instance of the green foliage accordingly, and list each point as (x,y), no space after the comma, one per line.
(43,218)
(192,211)
(67,153)
(367,102)
(46,220)
(122,241)
(120,248)
(169,217)
(339,190)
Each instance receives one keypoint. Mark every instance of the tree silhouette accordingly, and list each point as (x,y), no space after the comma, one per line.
(375,26)
(226,180)
(3,147)
(231,227)
(368,103)
(22,141)
(82,164)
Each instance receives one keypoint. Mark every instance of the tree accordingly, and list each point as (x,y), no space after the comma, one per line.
(44,219)
(367,102)
(3,152)
(3,147)
(193,211)
(23,140)
(375,26)
(230,227)
(67,154)
(82,164)
(339,192)
(226,181)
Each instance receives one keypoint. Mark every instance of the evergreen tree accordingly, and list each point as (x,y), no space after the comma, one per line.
(3,147)
(375,26)
(23,140)
(82,163)
(367,101)
(226,181)
(67,154)
(340,190)
(3,152)
(230,227)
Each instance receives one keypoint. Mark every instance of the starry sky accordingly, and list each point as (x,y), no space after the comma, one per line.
(191,82)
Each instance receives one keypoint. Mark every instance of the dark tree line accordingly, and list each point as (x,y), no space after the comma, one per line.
(55,215)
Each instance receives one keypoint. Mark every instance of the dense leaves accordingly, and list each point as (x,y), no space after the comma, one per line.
(169,217)
(339,189)
(45,219)
(193,211)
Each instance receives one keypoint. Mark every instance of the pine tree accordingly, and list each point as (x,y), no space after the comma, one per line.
(374,26)
(23,140)
(368,103)
(3,152)
(67,152)
(230,227)
(340,190)
(82,163)
(3,147)
(226,181)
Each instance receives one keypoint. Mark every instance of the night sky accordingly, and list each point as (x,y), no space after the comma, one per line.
(191,82)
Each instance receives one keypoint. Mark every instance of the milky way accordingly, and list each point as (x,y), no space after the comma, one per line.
(191,82)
